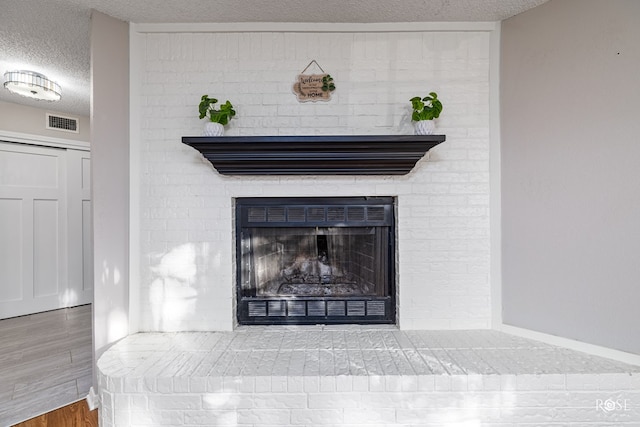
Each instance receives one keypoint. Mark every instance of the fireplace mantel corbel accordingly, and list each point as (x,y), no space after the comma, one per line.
(314,155)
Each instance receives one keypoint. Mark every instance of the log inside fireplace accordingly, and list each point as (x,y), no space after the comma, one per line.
(315,260)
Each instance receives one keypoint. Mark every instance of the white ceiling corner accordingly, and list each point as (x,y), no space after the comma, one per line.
(52,36)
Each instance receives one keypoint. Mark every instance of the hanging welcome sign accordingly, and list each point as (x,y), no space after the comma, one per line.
(313,87)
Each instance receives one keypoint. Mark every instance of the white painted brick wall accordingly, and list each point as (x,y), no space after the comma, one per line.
(543,405)
(187,272)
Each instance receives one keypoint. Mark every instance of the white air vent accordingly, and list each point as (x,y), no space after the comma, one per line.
(66,124)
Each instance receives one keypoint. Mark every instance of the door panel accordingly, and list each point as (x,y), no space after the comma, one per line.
(46,248)
(80,242)
(87,247)
(45,228)
(11,250)
(31,169)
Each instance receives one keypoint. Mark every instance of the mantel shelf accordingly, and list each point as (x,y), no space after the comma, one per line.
(314,155)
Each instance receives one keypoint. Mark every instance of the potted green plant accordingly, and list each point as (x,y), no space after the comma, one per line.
(425,110)
(218,118)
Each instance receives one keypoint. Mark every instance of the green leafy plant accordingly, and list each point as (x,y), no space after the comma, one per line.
(327,84)
(427,108)
(222,115)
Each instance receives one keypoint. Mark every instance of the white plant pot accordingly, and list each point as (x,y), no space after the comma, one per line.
(213,129)
(424,127)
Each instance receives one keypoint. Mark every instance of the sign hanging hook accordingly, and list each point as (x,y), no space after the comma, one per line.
(313,61)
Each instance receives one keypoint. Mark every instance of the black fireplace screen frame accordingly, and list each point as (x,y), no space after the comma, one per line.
(377,213)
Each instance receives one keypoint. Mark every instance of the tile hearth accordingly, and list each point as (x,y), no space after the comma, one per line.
(359,375)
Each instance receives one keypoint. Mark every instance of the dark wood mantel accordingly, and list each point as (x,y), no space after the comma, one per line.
(314,155)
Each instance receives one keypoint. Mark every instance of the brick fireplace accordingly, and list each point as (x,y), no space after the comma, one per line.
(187,260)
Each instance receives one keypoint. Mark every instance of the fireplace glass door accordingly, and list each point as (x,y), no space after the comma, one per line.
(315,260)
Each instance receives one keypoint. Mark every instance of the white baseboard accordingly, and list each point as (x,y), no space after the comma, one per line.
(596,350)
(92,399)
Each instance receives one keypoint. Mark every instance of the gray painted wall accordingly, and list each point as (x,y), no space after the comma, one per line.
(570,123)
(30,120)
(110,178)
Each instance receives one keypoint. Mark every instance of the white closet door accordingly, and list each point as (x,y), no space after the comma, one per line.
(33,229)
(80,290)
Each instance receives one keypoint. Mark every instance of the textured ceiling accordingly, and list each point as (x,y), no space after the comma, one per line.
(52,36)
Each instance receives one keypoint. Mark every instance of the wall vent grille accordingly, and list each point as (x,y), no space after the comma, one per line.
(295,214)
(306,212)
(285,309)
(65,124)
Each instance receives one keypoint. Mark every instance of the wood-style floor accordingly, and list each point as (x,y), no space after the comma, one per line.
(74,415)
(45,362)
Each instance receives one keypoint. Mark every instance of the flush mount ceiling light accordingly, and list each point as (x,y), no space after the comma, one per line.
(32,85)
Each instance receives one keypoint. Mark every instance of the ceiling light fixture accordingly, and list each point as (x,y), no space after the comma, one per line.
(32,85)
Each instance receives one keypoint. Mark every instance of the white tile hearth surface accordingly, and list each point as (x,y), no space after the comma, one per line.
(357,375)
(330,351)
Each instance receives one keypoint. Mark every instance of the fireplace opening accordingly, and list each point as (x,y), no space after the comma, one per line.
(315,260)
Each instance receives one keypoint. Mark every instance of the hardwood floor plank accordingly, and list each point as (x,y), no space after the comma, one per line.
(78,314)
(81,350)
(51,380)
(12,357)
(33,337)
(76,345)
(6,392)
(40,402)
(84,384)
(33,370)
(74,415)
